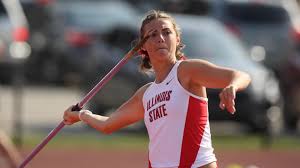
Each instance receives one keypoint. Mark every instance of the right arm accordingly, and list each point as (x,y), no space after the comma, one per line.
(130,112)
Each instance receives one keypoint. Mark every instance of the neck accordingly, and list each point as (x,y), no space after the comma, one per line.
(162,69)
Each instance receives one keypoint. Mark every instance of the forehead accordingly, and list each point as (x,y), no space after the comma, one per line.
(158,24)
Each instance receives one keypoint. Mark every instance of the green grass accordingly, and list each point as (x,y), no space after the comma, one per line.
(140,141)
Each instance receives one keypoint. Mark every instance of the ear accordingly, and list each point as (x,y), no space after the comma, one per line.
(142,51)
(143,48)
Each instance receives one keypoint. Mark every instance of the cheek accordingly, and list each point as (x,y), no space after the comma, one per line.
(174,44)
(149,46)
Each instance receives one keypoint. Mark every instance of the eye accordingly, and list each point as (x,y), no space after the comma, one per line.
(154,34)
(167,32)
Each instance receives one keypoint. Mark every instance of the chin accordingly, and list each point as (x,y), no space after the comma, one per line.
(163,53)
(163,56)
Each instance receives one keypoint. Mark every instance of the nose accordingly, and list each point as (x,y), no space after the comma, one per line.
(161,38)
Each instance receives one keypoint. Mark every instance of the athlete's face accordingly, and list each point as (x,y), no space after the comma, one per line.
(162,40)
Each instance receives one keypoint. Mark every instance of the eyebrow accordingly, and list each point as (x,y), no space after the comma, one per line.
(166,28)
(153,30)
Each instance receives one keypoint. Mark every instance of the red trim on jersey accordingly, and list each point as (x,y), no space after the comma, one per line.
(149,163)
(196,120)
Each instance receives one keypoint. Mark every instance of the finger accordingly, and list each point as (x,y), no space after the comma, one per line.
(65,121)
(222,105)
(230,97)
(233,102)
(233,92)
(65,116)
(222,102)
(231,106)
(68,122)
(231,109)
(226,98)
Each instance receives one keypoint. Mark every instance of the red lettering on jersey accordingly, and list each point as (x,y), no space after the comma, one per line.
(157,113)
(161,97)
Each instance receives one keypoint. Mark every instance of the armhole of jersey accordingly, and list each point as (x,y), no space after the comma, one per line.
(147,90)
(189,93)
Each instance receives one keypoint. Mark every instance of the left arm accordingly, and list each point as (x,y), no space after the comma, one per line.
(209,75)
(202,73)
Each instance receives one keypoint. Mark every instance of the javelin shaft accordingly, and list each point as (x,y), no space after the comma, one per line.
(80,105)
(105,79)
(41,145)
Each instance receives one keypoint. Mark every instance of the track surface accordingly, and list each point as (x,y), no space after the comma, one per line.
(95,158)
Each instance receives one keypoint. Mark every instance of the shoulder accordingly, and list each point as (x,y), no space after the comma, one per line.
(138,95)
(140,92)
(189,65)
(194,61)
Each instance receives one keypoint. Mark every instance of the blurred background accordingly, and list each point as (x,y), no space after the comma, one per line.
(52,52)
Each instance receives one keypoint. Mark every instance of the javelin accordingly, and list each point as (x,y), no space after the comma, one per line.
(88,96)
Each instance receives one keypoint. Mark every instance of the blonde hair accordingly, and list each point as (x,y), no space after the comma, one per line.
(152,15)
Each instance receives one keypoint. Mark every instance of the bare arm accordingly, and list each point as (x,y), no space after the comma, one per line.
(200,73)
(209,75)
(130,112)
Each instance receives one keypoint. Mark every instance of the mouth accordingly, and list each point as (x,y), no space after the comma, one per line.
(162,48)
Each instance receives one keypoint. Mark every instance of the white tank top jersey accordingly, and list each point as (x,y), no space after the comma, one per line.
(177,124)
